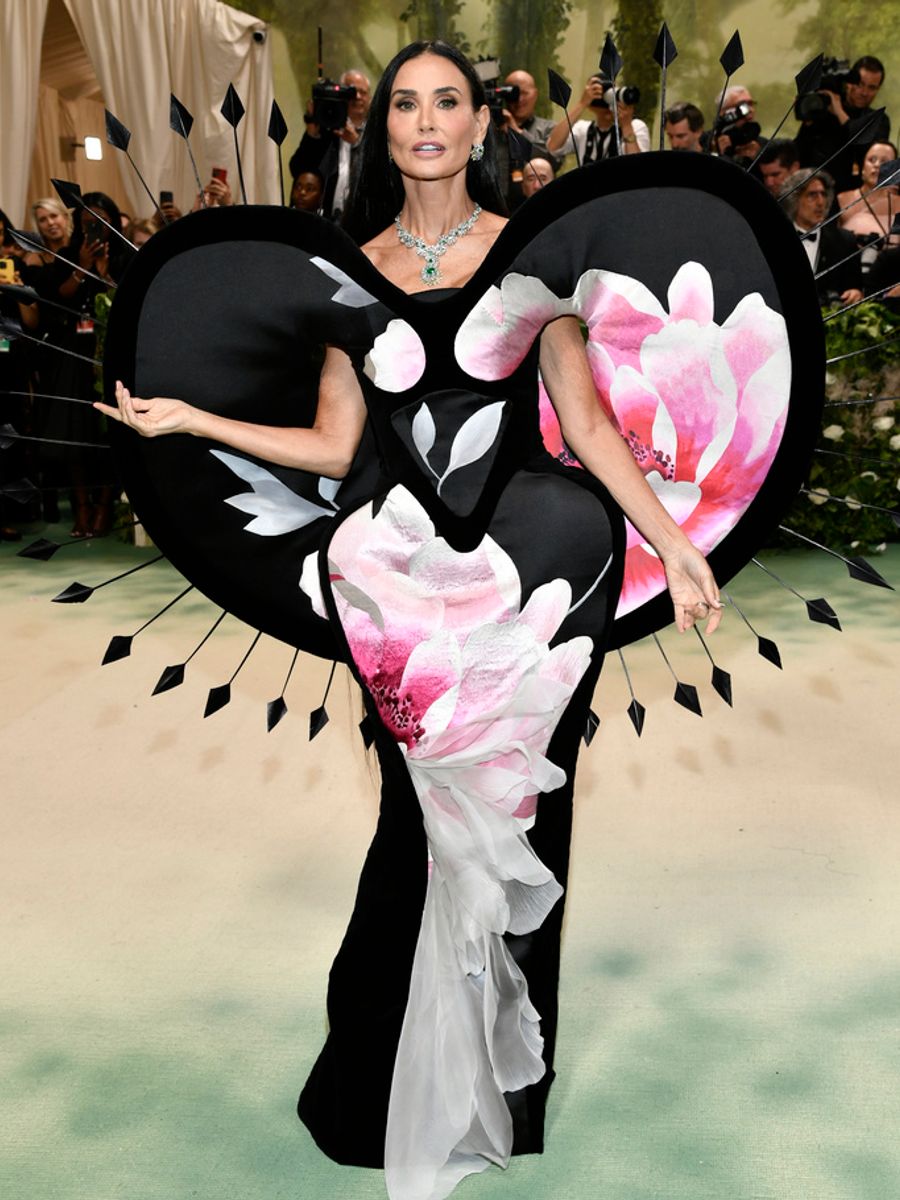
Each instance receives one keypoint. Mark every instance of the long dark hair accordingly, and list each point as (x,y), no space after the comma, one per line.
(377,194)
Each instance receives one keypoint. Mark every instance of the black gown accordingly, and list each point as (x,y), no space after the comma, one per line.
(469,573)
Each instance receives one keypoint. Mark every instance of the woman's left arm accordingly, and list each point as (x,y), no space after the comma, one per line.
(600,448)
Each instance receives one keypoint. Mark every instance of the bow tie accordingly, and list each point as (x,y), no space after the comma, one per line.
(811,237)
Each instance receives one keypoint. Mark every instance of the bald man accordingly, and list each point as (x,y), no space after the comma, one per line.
(523,119)
(536,174)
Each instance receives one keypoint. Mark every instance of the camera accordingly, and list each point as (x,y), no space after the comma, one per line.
(835,73)
(94,231)
(498,97)
(259,36)
(619,95)
(330,104)
(732,122)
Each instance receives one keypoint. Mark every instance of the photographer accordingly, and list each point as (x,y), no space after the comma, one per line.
(684,127)
(334,131)
(834,117)
(522,118)
(736,133)
(595,137)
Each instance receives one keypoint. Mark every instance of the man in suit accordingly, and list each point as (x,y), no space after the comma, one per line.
(333,153)
(827,249)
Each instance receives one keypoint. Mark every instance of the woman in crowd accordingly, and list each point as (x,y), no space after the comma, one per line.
(866,213)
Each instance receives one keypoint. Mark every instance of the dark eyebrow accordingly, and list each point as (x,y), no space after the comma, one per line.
(437,91)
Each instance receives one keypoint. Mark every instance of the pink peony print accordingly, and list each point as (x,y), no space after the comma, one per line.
(462,675)
(702,406)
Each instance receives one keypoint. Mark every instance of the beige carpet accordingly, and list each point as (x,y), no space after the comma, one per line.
(173,890)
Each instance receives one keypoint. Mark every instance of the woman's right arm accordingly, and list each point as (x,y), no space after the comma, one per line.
(325,449)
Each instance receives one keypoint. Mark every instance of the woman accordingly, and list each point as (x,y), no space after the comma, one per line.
(90,264)
(866,215)
(53,222)
(477,649)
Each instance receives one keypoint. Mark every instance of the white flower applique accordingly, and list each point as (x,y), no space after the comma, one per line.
(274,507)
(474,438)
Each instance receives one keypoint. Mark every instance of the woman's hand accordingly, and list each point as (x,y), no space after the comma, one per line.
(695,596)
(150,418)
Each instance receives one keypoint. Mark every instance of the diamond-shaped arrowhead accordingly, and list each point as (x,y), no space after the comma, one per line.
(180,120)
(733,54)
(278,129)
(866,573)
(822,612)
(637,712)
(810,77)
(686,696)
(275,710)
(20,292)
(40,549)
(119,647)
(116,133)
(559,91)
(6,442)
(68,192)
(21,490)
(610,59)
(519,146)
(317,721)
(769,651)
(887,172)
(593,724)
(75,593)
(367,731)
(172,677)
(721,681)
(665,51)
(218,697)
(232,109)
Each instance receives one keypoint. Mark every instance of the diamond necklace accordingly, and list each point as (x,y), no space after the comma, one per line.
(430,273)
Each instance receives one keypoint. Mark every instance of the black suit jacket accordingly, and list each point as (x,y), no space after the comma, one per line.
(836,245)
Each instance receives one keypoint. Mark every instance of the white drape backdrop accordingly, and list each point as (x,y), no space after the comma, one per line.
(21,33)
(144,49)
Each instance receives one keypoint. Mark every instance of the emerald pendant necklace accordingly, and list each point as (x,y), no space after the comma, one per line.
(431,273)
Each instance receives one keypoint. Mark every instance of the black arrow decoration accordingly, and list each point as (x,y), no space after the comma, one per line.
(559,91)
(181,122)
(119,136)
(277,708)
(173,676)
(20,490)
(319,718)
(810,77)
(75,593)
(220,696)
(70,194)
(765,646)
(721,680)
(685,693)
(233,111)
(857,567)
(278,129)
(277,132)
(119,647)
(665,51)
(367,731)
(822,612)
(732,58)
(610,59)
(41,549)
(636,710)
(663,54)
(591,727)
(686,696)
(817,610)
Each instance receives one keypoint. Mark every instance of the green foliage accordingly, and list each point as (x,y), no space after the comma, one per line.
(635,30)
(102,305)
(526,36)
(859,431)
(435,20)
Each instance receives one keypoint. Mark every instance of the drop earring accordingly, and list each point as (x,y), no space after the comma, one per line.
(476,154)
